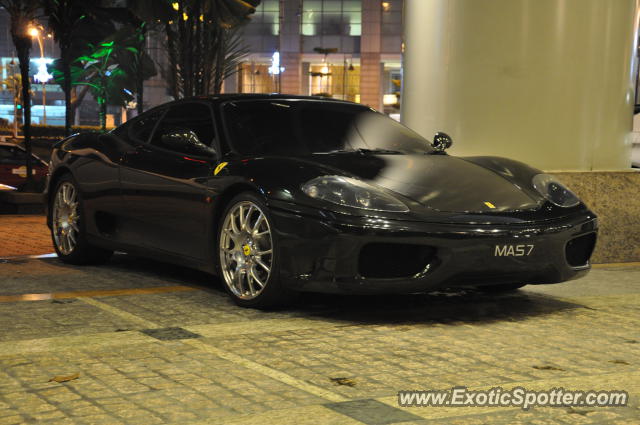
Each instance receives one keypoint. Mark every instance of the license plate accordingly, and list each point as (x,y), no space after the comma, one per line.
(512,250)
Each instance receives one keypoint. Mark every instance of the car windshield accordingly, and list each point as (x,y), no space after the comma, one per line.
(304,127)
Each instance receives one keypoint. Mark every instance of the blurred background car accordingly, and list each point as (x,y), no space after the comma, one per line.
(13,169)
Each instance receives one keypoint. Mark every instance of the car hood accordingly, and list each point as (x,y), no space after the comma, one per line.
(440,182)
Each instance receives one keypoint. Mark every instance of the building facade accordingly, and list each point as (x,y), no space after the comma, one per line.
(346,49)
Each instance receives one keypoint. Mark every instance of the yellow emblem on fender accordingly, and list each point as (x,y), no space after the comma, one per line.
(246,250)
(490,205)
(219,168)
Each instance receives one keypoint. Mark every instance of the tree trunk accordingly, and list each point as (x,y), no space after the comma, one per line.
(220,60)
(140,71)
(15,119)
(173,74)
(23,60)
(69,111)
(102,103)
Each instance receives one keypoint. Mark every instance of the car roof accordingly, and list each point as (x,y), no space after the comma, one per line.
(11,145)
(256,96)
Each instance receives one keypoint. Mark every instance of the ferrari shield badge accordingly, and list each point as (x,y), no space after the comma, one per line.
(219,168)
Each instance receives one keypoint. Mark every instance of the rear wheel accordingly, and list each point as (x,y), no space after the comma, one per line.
(496,289)
(248,254)
(67,226)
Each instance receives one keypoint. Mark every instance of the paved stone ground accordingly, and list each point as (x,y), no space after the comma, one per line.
(24,235)
(157,344)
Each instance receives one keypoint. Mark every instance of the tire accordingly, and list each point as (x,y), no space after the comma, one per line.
(66,212)
(497,289)
(248,254)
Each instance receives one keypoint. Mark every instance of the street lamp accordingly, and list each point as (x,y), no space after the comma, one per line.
(43,75)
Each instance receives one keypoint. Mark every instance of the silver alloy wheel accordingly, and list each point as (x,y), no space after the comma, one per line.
(246,250)
(65,218)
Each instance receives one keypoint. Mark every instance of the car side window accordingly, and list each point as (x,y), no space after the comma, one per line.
(140,130)
(12,155)
(186,128)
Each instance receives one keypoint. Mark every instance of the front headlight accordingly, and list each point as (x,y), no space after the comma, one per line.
(554,191)
(352,193)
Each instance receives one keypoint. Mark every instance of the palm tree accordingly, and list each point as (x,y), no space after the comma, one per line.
(74,24)
(110,70)
(142,16)
(21,14)
(203,46)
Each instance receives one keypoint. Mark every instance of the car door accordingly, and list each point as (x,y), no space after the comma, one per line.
(164,200)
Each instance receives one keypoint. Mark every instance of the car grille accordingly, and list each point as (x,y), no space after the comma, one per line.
(387,261)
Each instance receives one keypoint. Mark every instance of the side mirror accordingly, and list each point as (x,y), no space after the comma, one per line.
(186,141)
(441,142)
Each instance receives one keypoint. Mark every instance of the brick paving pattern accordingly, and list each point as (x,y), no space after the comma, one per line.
(192,357)
(24,235)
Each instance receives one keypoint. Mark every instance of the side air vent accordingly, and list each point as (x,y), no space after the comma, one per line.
(579,250)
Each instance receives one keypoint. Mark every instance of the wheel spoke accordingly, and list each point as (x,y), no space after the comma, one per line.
(257,224)
(66,193)
(241,217)
(247,217)
(252,290)
(65,242)
(255,277)
(238,279)
(263,265)
(234,225)
(261,253)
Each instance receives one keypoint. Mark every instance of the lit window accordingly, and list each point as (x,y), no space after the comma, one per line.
(332,17)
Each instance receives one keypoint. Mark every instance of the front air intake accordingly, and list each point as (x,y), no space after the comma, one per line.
(579,250)
(388,261)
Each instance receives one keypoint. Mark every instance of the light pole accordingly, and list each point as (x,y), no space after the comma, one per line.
(42,76)
(16,95)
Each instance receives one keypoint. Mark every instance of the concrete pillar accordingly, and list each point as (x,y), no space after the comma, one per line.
(290,46)
(230,85)
(370,74)
(306,68)
(291,78)
(548,82)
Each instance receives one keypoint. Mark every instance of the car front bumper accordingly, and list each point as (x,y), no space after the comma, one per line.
(328,254)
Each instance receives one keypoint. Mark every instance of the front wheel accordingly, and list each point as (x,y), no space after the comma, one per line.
(248,254)
(67,226)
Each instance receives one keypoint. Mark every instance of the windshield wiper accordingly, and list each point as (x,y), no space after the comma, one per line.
(366,151)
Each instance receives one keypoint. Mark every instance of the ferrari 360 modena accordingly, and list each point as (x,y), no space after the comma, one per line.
(279,194)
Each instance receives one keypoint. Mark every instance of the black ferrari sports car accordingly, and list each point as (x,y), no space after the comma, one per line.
(278,194)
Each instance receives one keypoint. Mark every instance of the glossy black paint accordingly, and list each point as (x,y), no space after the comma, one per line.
(151,201)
